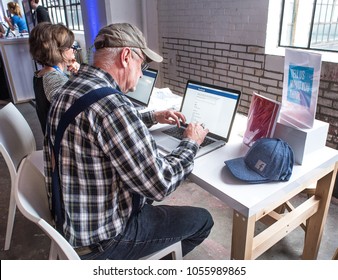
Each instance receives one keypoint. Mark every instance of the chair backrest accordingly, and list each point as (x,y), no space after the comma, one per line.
(16,137)
(31,198)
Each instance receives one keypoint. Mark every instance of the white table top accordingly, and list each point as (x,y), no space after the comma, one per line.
(211,174)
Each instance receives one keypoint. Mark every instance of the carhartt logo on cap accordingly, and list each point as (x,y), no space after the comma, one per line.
(260,165)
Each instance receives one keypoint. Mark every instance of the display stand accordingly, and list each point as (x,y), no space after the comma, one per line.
(303,141)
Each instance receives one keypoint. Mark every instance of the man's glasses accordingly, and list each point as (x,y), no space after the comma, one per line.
(144,65)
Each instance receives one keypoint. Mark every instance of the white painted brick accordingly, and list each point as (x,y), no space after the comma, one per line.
(238,48)
(207,69)
(177,47)
(195,55)
(246,56)
(236,61)
(234,75)
(233,68)
(251,78)
(275,91)
(241,82)
(189,49)
(326,102)
(268,82)
(274,63)
(275,76)
(208,45)
(221,72)
(201,50)
(260,58)
(215,52)
(253,64)
(221,59)
(222,46)
(258,86)
(207,57)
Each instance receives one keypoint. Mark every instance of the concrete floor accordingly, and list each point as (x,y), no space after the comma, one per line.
(29,242)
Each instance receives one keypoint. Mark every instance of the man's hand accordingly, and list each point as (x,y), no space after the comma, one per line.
(169,117)
(196,131)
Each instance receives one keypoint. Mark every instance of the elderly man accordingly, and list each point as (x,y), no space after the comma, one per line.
(109,165)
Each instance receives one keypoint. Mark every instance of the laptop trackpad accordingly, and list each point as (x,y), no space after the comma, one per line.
(168,144)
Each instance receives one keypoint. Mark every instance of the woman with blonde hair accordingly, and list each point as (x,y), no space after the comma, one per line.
(52,46)
(16,18)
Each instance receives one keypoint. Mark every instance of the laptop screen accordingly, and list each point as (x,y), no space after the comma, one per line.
(141,96)
(212,105)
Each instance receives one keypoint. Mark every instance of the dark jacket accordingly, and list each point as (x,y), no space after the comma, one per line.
(41,14)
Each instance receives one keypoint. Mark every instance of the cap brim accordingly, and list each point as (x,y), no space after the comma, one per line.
(239,169)
(152,56)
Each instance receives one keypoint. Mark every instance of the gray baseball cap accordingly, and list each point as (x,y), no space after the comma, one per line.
(124,35)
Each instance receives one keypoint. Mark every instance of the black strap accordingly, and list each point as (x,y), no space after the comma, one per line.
(79,106)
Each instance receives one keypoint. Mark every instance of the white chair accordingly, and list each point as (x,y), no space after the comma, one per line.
(16,142)
(31,198)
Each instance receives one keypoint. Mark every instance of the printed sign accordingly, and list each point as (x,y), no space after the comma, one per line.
(300,88)
(300,85)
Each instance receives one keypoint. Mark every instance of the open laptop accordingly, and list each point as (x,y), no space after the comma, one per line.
(211,105)
(141,96)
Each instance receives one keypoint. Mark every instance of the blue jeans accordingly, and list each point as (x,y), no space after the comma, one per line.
(154,228)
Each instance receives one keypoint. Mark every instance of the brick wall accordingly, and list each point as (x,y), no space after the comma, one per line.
(192,51)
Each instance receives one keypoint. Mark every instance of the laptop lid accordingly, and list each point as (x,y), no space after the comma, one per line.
(212,105)
(141,96)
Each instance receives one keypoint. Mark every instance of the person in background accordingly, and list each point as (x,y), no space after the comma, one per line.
(110,166)
(51,45)
(16,18)
(40,13)
(2,30)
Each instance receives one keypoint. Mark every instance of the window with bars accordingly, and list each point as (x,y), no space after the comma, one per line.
(309,24)
(67,12)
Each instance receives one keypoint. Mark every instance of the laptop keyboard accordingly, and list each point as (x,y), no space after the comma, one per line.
(177,132)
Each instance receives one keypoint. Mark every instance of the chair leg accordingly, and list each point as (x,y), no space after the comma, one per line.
(53,251)
(10,220)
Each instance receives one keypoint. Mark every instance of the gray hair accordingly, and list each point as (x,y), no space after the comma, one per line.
(101,55)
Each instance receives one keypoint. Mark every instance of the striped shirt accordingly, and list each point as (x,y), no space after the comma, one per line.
(106,155)
(52,82)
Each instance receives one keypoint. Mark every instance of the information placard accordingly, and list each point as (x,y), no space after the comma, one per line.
(300,88)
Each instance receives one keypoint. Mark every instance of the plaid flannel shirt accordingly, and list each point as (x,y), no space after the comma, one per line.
(106,155)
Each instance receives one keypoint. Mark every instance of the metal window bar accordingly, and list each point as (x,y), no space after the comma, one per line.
(315,25)
(311,25)
(67,12)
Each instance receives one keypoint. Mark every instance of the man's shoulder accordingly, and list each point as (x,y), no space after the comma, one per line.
(41,9)
(42,14)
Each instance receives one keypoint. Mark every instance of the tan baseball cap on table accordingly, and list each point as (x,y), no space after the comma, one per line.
(124,35)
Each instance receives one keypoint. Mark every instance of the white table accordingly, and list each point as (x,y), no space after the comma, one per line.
(252,202)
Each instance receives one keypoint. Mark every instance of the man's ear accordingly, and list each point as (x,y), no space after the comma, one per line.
(125,57)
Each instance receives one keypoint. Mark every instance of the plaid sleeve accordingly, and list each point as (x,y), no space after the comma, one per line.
(135,157)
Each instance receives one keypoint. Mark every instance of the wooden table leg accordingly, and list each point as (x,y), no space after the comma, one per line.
(315,224)
(243,230)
